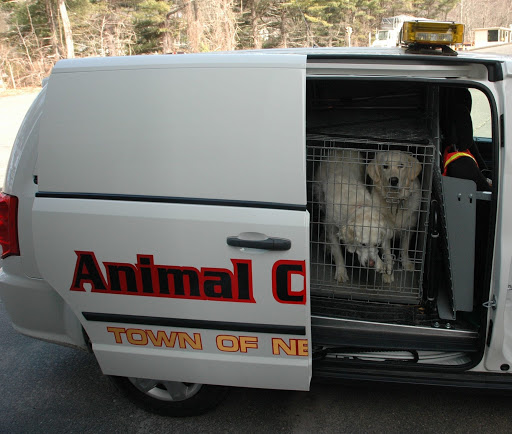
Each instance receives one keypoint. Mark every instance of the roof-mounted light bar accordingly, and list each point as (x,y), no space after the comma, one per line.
(432,34)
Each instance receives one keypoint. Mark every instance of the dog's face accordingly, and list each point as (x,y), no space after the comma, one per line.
(364,234)
(393,173)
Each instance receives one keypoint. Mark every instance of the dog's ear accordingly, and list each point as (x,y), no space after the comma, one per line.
(415,168)
(372,170)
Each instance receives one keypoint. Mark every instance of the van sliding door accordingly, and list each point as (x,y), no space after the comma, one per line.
(171,215)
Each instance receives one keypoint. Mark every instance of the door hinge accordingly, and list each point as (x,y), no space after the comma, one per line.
(491,304)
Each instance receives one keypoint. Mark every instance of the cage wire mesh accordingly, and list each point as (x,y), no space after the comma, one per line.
(369,204)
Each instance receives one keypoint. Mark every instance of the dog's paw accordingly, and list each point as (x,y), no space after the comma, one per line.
(388,268)
(380,266)
(341,275)
(408,266)
(388,278)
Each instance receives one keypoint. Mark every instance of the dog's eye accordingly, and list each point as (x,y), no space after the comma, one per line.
(385,166)
(400,166)
(364,244)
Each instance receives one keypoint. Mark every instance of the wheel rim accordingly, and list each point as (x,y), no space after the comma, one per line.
(166,390)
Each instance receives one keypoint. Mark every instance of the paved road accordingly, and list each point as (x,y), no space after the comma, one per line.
(505,49)
(47,388)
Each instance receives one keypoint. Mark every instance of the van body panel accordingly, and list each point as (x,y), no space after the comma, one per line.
(209,132)
(19,180)
(209,365)
(230,60)
(25,145)
(119,231)
(82,244)
(499,353)
(36,309)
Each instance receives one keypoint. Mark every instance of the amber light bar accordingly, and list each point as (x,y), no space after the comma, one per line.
(432,33)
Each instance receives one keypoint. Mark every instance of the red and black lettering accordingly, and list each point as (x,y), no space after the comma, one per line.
(282,272)
(149,279)
(87,270)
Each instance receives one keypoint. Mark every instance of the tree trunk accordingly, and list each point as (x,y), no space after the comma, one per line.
(195,28)
(168,40)
(68,35)
(53,28)
(229,26)
(257,43)
(284,32)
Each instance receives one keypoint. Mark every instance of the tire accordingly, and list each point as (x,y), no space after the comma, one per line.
(170,398)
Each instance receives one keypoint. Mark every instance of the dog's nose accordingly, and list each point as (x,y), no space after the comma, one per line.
(393,181)
(371,263)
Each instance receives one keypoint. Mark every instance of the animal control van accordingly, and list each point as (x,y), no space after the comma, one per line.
(259,219)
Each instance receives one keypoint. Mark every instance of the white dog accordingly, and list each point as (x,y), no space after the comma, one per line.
(349,214)
(397,190)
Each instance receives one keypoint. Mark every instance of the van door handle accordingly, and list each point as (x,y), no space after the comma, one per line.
(267,244)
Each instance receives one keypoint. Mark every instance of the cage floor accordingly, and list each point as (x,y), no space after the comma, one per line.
(374,312)
(365,284)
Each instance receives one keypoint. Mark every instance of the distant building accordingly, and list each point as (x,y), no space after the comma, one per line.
(493,36)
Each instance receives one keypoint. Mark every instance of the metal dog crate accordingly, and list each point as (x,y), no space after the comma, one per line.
(365,283)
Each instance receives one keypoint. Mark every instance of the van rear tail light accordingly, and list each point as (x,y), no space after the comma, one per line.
(9,225)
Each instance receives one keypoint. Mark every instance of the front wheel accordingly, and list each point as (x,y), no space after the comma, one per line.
(170,398)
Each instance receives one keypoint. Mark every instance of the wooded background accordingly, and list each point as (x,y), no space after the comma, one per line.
(34,34)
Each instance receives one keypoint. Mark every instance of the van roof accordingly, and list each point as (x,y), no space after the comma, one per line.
(245,57)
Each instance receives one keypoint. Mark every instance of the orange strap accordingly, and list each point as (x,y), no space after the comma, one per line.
(449,157)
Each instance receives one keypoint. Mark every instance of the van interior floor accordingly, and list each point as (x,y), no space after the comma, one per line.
(352,323)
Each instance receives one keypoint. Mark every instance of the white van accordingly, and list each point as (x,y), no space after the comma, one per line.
(183,218)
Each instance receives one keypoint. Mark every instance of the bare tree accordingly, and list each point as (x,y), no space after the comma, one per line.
(53,28)
(211,25)
(219,25)
(195,26)
(66,24)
